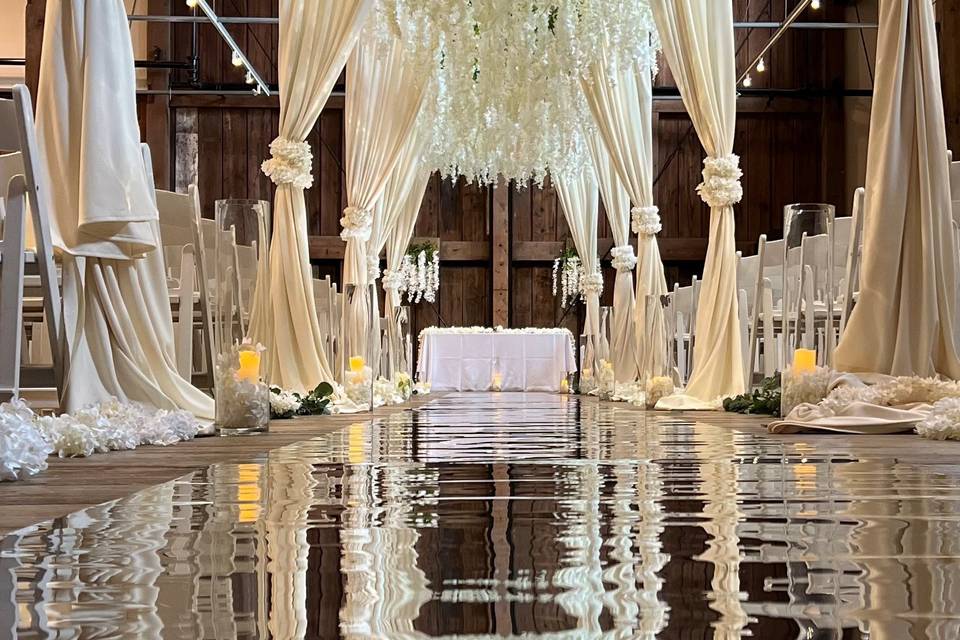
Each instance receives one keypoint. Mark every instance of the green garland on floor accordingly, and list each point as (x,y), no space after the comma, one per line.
(765,400)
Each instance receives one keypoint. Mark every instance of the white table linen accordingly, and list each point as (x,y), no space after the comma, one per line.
(467,361)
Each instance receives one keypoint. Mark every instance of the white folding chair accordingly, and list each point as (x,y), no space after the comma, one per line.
(768,296)
(323,293)
(187,281)
(21,187)
(747,269)
(851,276)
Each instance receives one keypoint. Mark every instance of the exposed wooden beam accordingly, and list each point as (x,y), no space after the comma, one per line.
(671,249)
(333,247)
(157,126)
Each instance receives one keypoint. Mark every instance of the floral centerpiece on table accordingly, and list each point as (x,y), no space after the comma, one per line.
(420,272)
(568,276)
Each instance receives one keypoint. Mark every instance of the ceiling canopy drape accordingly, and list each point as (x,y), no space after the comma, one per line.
(117,320)
(315,40)
(697,40)
(903,322)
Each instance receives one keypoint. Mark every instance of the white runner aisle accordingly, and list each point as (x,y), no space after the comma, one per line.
(467,360)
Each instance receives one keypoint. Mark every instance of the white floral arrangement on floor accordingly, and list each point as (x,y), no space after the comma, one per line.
(284,404)
(568,276)
(656,388)
(357,388)
(26,439)
(797,388)
(420,273)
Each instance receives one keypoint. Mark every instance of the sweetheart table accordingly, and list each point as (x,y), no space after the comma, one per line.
(471,358)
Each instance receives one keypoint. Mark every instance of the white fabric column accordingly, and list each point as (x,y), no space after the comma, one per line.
(580,199)
(384,94)
(903,321)
(117,319)
(622,107)
(697,39)
(315,40)
(616,202)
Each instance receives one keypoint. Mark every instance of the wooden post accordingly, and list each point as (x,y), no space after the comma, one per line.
(500,217)
(949,17)
(157,115)
(33,30)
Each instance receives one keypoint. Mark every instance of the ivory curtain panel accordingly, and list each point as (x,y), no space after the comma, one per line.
(384,94)
(697,40)
(316,38)
(903,322)
(580,200)
(117,321)
(622,107)
(616,202)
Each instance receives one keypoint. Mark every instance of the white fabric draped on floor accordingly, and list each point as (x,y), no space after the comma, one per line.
(697,40)
(117,319)
(315,40)
(384,94)
(622,108)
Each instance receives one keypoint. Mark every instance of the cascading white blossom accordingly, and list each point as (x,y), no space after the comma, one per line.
(509,99)
(419,276)
(568,273)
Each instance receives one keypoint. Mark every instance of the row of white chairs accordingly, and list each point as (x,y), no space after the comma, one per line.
(770,326)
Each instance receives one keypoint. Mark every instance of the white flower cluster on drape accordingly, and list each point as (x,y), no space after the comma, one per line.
(509,99)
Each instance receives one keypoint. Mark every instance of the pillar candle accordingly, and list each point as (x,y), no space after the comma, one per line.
(356,363)
(804,360)
(249,368)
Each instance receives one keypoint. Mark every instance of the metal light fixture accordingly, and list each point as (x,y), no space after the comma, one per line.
(237,58)
(761,66)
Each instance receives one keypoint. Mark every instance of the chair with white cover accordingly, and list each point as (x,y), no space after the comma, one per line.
(21,186)
(186,278)
(684,302)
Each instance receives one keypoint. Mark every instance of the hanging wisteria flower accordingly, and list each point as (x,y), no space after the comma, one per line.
(570,270)
(645,221)
(509,99)
(721,181)
(291,162)
(624,259)
(420,273)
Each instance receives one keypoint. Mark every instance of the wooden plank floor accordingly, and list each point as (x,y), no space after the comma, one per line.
(72,484)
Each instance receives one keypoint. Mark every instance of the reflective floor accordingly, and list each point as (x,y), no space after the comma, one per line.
(491,515)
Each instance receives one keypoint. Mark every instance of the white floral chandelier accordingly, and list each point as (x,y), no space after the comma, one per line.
(508,94)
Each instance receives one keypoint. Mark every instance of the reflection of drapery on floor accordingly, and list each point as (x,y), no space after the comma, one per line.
(117,320)
(697,39)
(315,40)
(903,321)
(378,74)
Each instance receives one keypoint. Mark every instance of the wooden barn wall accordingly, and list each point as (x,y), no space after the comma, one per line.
(790,148)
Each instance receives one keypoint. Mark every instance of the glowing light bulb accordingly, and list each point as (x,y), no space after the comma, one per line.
(748,81)
(761,66)
(257,91)
(815,4)
(193,3)
(236,60)
(249,78)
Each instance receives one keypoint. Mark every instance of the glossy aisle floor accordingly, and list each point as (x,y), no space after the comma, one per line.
(487,515)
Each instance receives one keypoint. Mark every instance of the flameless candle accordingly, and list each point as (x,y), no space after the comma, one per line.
(356,364)
(564,386)
(249,368)
(804,360)
(497,381)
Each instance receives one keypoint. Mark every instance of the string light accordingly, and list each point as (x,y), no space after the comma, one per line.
(815,4)
(193,3)
(761,66)
(747,81)
(249,79)
(236,60)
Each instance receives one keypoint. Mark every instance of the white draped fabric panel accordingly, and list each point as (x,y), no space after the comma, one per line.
(315,40)
(117,318)
(580,200)
(392,204)
(903,321)
(616,202)
(400,236)
(622,107)
(384,94)
(697,40)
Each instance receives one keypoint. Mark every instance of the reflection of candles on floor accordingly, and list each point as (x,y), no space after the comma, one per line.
(564,386)
(497,381)
(804,360)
